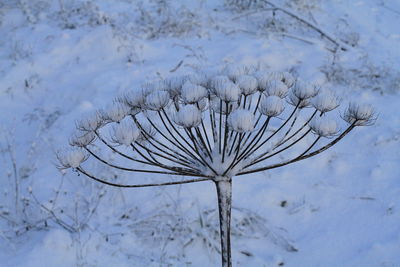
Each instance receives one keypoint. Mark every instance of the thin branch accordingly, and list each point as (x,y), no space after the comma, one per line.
(80,169)
(303,155)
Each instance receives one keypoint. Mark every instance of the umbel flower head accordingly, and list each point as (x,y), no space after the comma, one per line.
(184,125)
(212,126)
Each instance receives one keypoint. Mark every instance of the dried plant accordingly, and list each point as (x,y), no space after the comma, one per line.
(212,126)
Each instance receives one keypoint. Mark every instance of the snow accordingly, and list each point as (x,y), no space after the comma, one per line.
(60,63)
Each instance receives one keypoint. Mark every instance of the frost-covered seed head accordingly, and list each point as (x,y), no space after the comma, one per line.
(199,78)
(271,106)
(174,85)
(192,93)
(262,80)
(216,82)
(295,101)
(91,123)
(188,116)
(323,126)
(116,112)
(82,139)
(157,100)
(241,120)
(304,90)
(325,101)
(71,158)
(288,79)
(124,133)
(360,114)
(276,88)
(228,91)
(247,84)
(134,99)
(234,71)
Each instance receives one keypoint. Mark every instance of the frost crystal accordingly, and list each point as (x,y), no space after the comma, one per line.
(276,88)
(71,158)
(325,101)
(91,123)
(116,112)
(188,116)
(241,120)
(360,114)
(323,126)
(82,139)
(247,84)
(192,93)
(271,106)
(157,100)
(125,133)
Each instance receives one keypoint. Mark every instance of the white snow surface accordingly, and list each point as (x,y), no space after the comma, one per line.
(63,60)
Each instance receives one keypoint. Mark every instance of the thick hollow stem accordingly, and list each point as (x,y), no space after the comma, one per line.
(224,193)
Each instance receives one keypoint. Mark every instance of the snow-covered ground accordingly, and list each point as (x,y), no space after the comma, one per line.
(63,59)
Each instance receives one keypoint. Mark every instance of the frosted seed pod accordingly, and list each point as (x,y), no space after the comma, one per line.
(323,126)
(192,93)
(271,106)
(288,79)
(91,123)
(359,114)
(134,99)
(124,133)
(228,92)
(325,101)
(234,71)
(304,90)
(216,82)
(241,120)
(198,79)
(219,107)
(188,116)
(295,101)
(71,158)
(174,85)
(202,104)
(157,100)
(276,88)
(82,139)
(116,112)
(262,80)
(247,84)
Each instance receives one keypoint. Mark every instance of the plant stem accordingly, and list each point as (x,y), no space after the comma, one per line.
(224,193)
